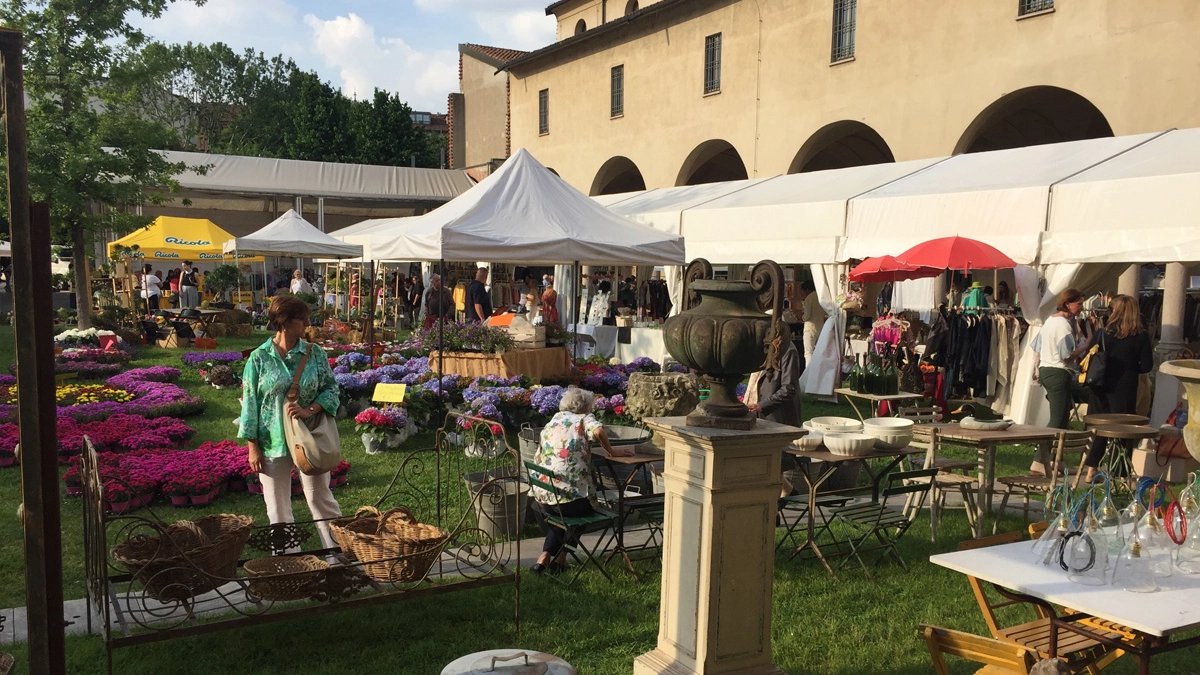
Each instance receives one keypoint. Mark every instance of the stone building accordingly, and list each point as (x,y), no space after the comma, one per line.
(657,93)
(480,132)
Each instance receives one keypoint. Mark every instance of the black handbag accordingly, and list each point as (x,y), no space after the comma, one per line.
(1094,364)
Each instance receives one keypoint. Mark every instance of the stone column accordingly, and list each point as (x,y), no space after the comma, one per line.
(722,492)
(1130,281)
(1167,388)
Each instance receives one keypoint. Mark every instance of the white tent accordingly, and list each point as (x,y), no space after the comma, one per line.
(1000,197)
(361,234)
(1140,206)
(524,212)
(292,235)
(798,218)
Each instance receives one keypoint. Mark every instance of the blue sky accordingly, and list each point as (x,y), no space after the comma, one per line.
(405,46)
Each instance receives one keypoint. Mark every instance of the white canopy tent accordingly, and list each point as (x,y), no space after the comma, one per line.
(362,234)
(292,235)
(526,213)
(1000,197)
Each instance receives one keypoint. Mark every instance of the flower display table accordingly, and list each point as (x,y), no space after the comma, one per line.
(536,364)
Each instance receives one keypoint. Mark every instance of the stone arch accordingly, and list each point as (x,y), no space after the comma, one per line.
(839,145)
(1033,116)
(580,27)
(712,162)
(631,7)
(618,174)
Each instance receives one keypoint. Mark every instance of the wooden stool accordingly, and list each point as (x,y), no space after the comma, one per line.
(1109,419)
(1116,462)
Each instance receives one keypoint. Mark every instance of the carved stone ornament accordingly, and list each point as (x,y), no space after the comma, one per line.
(661,394)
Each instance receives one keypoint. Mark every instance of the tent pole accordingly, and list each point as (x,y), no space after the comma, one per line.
(575,314)
(441,331)
(369,317)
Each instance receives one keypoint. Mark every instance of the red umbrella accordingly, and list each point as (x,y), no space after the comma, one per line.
(956,253)
(887,268)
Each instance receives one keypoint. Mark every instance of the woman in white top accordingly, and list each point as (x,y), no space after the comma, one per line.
(151,290)
(1057,351)
(300,284)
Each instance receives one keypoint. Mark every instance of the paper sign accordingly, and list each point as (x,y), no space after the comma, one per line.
(389,393)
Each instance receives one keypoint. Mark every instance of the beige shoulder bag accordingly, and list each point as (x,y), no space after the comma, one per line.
(314,443)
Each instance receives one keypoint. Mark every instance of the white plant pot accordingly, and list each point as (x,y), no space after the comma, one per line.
(374,443)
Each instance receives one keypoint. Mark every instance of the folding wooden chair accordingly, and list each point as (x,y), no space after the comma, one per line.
(933,415)
(1069,444)
(1082,654)
(999,657)
(879,521)
(943,483)
(602,521)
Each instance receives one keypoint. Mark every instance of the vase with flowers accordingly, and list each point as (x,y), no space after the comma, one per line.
(178,490)
(203,488)
(117,496)
(382,427)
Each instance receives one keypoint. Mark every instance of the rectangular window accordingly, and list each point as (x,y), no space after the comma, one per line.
(844,12)
(1031,6)
(544,111)
(712,64)
(617,101)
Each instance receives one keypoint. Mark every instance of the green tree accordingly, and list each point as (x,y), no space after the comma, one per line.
(91,146)
(320,121)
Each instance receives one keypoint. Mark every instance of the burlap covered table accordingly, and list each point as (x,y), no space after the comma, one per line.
(536,364)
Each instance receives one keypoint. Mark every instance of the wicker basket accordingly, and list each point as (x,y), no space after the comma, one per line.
(392,547)
(367,518)
(285,577)
(189,558)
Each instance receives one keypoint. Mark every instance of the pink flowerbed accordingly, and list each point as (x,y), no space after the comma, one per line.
(155,396)
(119,433)
(183,477)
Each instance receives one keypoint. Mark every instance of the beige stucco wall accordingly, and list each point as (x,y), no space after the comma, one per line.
(485,98)
(923,70)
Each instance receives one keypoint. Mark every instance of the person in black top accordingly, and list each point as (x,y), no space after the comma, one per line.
(1128,354)
(189,296)
(415,294)
(479,303)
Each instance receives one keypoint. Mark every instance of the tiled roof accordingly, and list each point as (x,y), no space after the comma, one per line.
(499,55)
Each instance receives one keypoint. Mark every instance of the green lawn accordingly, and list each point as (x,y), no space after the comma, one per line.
(821,625)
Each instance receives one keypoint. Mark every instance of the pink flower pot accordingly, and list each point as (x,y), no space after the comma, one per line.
(8,461)
(181,500)
(254,489)
(201,500)
(74,490)
(120,507)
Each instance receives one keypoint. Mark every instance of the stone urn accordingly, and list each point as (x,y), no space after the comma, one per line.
(1187,371)
(721,335)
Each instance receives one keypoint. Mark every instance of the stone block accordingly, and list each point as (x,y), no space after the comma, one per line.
(661,394)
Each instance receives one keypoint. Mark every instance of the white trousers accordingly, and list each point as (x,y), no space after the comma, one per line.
(276,480)
(812,331)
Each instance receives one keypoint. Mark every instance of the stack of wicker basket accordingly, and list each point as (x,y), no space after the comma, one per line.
(188,557)
(392,546)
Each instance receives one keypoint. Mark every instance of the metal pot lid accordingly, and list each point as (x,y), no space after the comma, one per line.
(509,662)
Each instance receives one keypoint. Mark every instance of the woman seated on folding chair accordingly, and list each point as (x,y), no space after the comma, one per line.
(565,452)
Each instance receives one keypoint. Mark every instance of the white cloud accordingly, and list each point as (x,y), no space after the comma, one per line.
(513,24)
(365,62)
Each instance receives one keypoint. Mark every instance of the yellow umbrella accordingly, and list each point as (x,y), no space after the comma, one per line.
(170,238)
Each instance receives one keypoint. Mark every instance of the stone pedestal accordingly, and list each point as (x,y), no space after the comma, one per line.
(722,491)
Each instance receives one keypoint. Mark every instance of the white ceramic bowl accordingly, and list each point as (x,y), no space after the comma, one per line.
(890,433)
(834,425)
(850,444)
(809,442)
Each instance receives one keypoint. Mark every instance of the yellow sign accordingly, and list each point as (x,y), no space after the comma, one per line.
(389,393)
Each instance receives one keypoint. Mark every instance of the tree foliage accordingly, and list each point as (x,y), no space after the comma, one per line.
(90,147)
(246,104)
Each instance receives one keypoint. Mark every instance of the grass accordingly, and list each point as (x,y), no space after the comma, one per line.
(820,625)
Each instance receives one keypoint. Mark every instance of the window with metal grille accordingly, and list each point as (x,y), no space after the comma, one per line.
(1030,6)
(712,64)
(617,105)
(544,111)
(844,12)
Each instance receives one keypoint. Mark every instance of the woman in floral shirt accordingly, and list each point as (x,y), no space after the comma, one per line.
(565,452)
(265,381)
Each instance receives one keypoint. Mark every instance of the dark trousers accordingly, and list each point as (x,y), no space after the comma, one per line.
(1059,392)
(557,538)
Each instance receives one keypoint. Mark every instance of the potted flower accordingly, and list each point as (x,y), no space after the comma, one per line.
(484,435)
(339,475)
(73,481)
(203,488)
(178,490)
(223,377)
(382,428)
(118,496)
(297,486)
(7,457)
(253,484)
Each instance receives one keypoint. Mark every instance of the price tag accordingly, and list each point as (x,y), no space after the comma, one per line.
(389,393)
